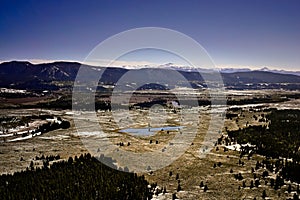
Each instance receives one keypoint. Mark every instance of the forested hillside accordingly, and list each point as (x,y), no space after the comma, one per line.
(278,141)
(79,178)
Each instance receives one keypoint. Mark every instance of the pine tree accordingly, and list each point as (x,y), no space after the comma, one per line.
(244,184)
(174,196)
(251,184)
(289,188)
(201,184)
(205,188)
(31,166)
(257,183)
(178,188)
(264,194)
(295,197)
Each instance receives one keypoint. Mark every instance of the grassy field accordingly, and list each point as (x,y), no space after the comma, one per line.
(216,170)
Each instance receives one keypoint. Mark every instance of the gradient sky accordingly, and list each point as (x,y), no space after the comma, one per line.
(237,33)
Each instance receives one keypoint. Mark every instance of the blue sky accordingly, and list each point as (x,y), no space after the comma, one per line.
(235,33)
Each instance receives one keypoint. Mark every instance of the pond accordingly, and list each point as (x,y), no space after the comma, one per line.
(150,130)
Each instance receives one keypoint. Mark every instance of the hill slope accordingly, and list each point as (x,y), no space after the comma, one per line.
(25,75)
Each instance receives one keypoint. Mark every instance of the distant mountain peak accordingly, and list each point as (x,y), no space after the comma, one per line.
(264,69)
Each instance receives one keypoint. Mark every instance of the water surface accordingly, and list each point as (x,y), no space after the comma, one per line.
(149,131)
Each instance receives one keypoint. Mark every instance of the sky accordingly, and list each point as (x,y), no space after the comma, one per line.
(237,33)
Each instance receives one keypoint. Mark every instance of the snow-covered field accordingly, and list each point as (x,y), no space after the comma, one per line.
(25,138)
(12,91)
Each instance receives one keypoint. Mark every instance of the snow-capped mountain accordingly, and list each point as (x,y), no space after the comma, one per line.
(266,69)
(226,70)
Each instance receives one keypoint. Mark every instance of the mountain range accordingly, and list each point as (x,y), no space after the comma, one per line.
(25,75)
(222,70)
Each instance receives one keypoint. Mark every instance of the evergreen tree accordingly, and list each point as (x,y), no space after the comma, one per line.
(201,184)
(264,194)
(205,188)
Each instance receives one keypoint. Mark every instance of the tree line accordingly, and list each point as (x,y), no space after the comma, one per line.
(82,177)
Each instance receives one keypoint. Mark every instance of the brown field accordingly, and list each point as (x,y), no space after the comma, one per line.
(191,168)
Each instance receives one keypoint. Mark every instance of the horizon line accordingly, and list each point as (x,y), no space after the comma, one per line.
(129,65)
